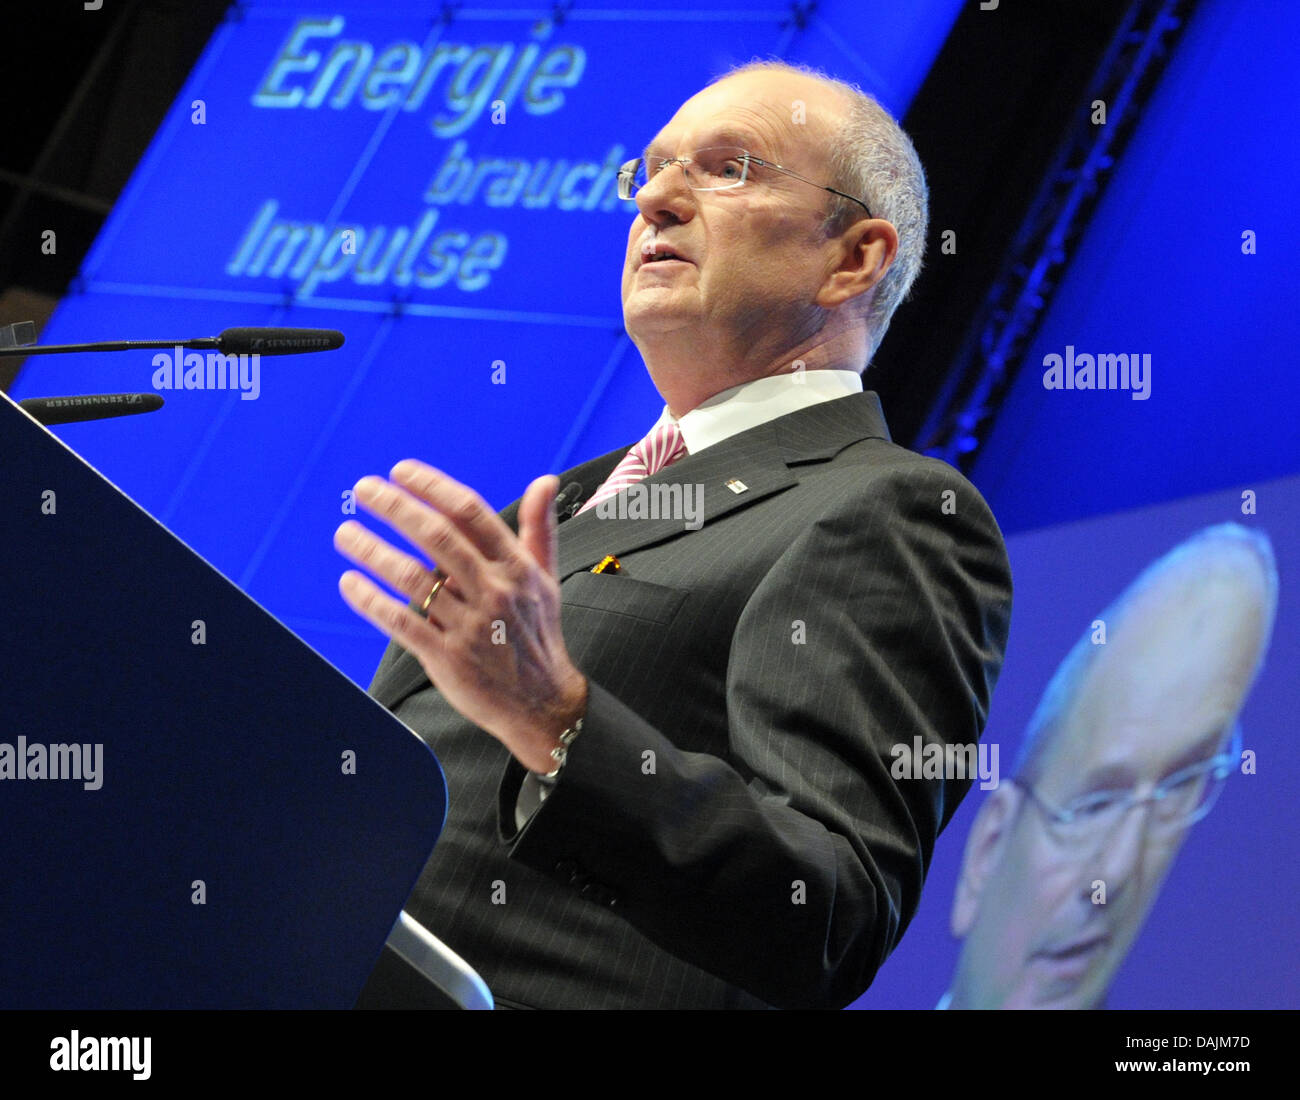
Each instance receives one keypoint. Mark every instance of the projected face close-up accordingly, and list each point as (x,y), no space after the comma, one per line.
(1064,864)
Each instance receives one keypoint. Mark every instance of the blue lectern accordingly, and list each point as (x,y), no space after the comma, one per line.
(196,809)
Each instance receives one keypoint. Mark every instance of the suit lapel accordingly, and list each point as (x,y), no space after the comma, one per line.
(761,460)
(698,481)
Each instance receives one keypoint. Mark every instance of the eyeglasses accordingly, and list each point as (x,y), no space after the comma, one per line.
(716,168)
(1178,802)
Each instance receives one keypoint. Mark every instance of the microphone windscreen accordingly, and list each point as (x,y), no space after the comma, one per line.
(277,341)
(90,406)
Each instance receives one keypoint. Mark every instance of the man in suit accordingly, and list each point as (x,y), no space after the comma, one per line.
(667,723)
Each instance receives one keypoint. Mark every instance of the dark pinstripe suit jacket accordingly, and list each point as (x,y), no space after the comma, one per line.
(727,831)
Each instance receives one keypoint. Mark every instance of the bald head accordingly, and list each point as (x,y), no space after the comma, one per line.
(871,158)
(755,282)
(1200,615)
(1126,751)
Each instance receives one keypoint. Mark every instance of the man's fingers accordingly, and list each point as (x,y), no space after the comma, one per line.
(399,571)
(390,616)
(460,504)
(434,533)
(538,529)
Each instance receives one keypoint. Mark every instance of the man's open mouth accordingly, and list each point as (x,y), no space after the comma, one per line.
(662,255)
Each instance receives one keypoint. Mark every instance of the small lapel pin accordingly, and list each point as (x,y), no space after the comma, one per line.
(608,564)
(737,486)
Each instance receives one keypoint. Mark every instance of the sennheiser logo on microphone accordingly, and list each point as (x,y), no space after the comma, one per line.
(303,343)
(195,370)
(92,400)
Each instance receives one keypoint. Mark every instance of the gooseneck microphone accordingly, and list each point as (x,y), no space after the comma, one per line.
(231,341)
(277,341)
(97,406)
(89,406)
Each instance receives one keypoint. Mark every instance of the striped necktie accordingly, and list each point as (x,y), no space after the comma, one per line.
(662,447)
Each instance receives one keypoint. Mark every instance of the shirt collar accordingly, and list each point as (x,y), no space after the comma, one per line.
(756,402)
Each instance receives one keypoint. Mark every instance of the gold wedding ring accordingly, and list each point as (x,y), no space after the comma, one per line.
(439,579)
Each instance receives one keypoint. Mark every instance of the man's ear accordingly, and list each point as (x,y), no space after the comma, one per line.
(863,253)
(984,849)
